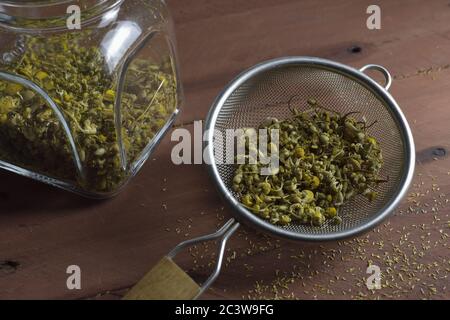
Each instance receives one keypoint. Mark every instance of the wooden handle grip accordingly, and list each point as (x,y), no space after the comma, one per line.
(166,281)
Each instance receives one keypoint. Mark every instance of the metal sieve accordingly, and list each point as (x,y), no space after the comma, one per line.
(256,94)
(259,93)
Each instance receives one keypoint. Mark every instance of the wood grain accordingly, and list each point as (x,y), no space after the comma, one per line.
(44,230)
(232,36)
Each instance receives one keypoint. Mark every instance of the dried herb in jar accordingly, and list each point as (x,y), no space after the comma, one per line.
(326,159)
(76,77)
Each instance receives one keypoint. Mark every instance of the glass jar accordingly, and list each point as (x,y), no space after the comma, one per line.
(87,90)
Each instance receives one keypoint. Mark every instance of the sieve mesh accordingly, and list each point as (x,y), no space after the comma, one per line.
(266,95)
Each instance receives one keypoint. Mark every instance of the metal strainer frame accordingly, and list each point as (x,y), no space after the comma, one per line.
(243,215)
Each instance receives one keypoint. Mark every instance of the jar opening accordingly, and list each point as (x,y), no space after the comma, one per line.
(48,14)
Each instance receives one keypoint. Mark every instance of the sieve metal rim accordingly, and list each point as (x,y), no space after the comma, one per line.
(249,218)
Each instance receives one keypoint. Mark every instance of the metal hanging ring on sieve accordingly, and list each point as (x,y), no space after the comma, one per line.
(383,70)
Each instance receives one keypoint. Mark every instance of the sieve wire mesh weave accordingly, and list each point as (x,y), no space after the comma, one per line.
(266,95)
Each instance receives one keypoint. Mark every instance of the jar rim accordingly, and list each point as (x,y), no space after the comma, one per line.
(22,14)
(28,4)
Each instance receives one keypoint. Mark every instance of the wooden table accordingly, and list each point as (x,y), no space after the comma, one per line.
(44,230)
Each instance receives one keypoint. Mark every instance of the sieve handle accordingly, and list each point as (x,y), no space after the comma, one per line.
(383,70)
(167,281)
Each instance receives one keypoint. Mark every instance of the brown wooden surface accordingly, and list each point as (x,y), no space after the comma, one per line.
(43,230)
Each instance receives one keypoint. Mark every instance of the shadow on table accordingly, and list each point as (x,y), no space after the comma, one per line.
(21,194)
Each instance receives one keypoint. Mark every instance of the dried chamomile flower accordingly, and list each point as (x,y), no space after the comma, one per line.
(326,159)
(76,77)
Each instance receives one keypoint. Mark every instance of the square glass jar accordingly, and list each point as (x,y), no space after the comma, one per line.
(86,90)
